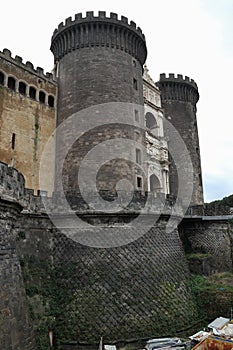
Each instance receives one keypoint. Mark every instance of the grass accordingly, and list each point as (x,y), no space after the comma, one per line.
(200,256)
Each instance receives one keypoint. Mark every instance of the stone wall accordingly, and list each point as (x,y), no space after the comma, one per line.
(26,120)
(133,291)
(82,293)
(15,327)
(207,244)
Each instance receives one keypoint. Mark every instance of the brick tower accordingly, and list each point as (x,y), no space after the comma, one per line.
(179,98)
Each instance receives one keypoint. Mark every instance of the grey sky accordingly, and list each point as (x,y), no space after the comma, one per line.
(190,37)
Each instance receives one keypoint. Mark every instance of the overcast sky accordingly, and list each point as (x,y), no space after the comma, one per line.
(190,37)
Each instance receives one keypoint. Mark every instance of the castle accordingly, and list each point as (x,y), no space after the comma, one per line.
(123,279)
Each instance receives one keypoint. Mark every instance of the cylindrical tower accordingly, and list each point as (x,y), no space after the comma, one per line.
(179,97)
(99,60)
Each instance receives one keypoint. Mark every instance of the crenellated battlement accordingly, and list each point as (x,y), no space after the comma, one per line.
(178,87)
(12,189)
(177,78)
(7,55)
(22,78)
(113,18)
(102,31)
(12,184)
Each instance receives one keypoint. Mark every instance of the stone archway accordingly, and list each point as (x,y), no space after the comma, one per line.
(151,122)
(155,185)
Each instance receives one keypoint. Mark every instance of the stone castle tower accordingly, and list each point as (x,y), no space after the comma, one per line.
(99,60)
(179,98)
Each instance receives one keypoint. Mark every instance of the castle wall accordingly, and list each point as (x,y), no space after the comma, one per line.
(26,123)
(16,330)
(207,244)
(132,291)
(92,288)
(89,291)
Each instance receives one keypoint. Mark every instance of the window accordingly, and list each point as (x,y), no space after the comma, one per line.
(22,88)
(42,97)
(11,83)
(138,156)
(32,92)
(135,83)
(200,180)
(13,141)
(51,101)
(150,121)
(136,115)
(1,78)
(139,182)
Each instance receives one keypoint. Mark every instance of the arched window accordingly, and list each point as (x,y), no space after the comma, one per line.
(1,78)
(151,122)
(42,97)
(32,92)
(22,88)
(11,83)
(154,184)
(51,101)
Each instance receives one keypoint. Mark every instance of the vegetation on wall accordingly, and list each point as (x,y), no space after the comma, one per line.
(48,295)
(214,295)
(61,302)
